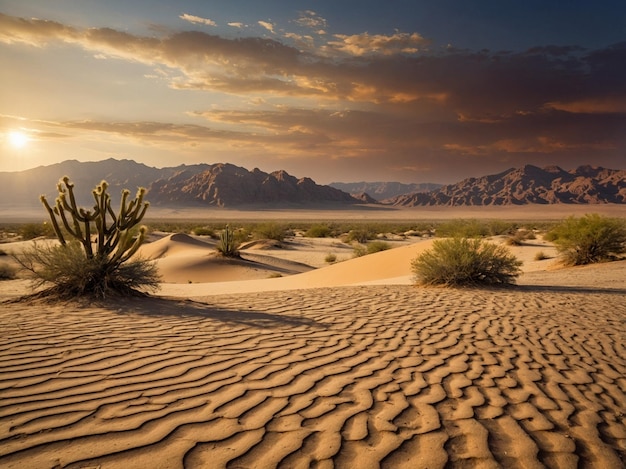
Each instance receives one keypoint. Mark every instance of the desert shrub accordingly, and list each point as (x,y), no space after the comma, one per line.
(474,228)
(588,239)
(330,258)
(359,250)
(370,248)
(74,275)
(462,228)
(318,230)
(7,271)
(228,244)
(377,246)
(35,230)
(203,231)
(462,261)
(540,256)
(519,236)
(93,257)
(360,235)
(269,230)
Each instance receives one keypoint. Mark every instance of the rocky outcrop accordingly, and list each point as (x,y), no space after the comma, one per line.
(528,185)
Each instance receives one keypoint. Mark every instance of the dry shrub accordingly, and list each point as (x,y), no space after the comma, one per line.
(461,261)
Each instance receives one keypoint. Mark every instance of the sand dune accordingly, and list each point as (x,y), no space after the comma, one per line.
(315,370)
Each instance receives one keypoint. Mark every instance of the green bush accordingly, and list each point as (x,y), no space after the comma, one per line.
(360,235)
(330,258)
(377,246)
(461,261)
(474,228)
(203,231)
(318,231)
(269,230)
(370,248)
(589,239)
(74,275)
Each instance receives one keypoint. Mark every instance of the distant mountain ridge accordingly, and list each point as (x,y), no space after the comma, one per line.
(528,185)
(217,185)
(226,185)
(383,190)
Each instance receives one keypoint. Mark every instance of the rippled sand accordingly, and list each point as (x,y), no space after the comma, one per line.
(347,377)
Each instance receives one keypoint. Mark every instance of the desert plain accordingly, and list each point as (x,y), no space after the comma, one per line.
(284,360)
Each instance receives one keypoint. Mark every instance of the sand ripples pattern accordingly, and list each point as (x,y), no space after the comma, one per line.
(354,377)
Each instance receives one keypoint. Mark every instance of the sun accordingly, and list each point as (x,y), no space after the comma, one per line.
(17,139)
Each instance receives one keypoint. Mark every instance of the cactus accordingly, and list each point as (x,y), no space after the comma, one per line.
(114,243)
(227,244)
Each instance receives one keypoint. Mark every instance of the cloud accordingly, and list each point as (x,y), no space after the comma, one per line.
(372,97)
(310,19)
(364,44)
(236,25)
(267,25)
(197,19)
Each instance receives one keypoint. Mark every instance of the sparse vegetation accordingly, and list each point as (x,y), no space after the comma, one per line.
(93,256)
(462,261)
(474,228)
(360,235)
(228,244)
(204,231)
(269,230)
(7,271)
(370,248)
(318,231)
(520,236)
(330,258)
(589,239)
(540,256)
(36,230)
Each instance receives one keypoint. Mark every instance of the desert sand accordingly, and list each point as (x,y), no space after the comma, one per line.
(347,365)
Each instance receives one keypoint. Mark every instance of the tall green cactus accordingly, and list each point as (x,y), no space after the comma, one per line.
(114,243)
(227,244)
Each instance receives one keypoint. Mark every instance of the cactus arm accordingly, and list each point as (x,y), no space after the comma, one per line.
(53,219)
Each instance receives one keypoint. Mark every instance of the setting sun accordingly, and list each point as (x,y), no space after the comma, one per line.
(17,139)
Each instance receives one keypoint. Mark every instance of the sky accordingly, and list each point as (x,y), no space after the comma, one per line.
(338,91)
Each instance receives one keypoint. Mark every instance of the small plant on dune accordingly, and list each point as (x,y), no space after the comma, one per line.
(93,257)
(370,248)
(7,272)
(228,244)
(540,256)
(589,239)
(465,262)
(377,246)
(330,258)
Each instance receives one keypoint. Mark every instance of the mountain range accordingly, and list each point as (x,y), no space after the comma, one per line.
(227,185)
(527,185)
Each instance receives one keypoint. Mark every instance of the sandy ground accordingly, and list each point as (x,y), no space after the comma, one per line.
(347,365)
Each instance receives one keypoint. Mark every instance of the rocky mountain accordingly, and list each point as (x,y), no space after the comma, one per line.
(528,185)
(383,190)
(227,185)
(218,185)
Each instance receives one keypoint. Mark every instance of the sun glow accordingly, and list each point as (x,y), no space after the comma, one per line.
(17,139)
